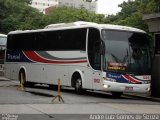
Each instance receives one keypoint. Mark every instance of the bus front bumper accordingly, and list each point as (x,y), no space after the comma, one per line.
(124,87)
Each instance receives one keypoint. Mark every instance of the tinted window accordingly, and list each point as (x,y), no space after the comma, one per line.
(116,44)
(67,39)
(126,52)
(93,48)
(21,41)
(49,40)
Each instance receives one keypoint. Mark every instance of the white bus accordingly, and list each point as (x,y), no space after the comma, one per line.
(83,55)
(3,40)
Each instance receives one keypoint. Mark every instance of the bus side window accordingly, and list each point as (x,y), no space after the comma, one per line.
(74,39)
(93,48)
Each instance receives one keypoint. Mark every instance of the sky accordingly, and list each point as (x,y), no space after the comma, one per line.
(109,7)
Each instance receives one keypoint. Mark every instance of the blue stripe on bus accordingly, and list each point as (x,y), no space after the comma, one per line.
(16,56)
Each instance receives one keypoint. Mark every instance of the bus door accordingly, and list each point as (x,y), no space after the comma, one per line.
(94,56)
(97,63)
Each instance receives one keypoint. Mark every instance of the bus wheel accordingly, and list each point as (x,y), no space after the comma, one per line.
(117,94)
(78,86)
(22,78)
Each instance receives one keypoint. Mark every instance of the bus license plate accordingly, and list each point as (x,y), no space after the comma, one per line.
(129,88)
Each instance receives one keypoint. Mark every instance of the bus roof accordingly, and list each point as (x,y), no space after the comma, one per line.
(3,35)
(80,24)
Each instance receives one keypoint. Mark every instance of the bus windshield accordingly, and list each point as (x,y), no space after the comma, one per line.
(126,52)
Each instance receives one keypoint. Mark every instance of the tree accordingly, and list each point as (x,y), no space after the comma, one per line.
(132,12)
(17,14)
(127,9)
(70,14)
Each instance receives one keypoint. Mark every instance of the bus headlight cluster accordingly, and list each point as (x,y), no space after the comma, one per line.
(106,86)
(148,89)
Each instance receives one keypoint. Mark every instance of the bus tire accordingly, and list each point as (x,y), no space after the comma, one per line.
(78,86)
(117,94)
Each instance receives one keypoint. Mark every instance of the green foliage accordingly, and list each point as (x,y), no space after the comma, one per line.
(69,14)
(132,12)
(16,14)
(127,9)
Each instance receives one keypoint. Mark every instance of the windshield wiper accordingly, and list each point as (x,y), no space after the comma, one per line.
(115,58)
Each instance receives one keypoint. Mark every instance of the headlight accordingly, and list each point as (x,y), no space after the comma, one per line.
(106,86)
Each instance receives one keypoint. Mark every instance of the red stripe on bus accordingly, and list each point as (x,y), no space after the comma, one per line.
(37,58)
(130,79)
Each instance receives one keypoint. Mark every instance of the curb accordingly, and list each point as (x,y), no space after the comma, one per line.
(144,97)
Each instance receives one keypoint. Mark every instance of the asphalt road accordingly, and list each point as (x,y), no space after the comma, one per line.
(36,103)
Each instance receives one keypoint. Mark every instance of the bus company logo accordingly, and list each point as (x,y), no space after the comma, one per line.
(113,76)
(13,57)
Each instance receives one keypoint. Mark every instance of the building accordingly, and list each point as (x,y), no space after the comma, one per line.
(43,5)
(153,21)
(90,5)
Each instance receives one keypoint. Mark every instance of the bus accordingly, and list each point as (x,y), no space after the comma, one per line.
(83,55)
(3,40)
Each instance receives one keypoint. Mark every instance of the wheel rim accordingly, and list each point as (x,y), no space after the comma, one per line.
(78,84)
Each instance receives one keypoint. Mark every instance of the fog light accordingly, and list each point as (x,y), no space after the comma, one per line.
(106,86)
(148,89)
